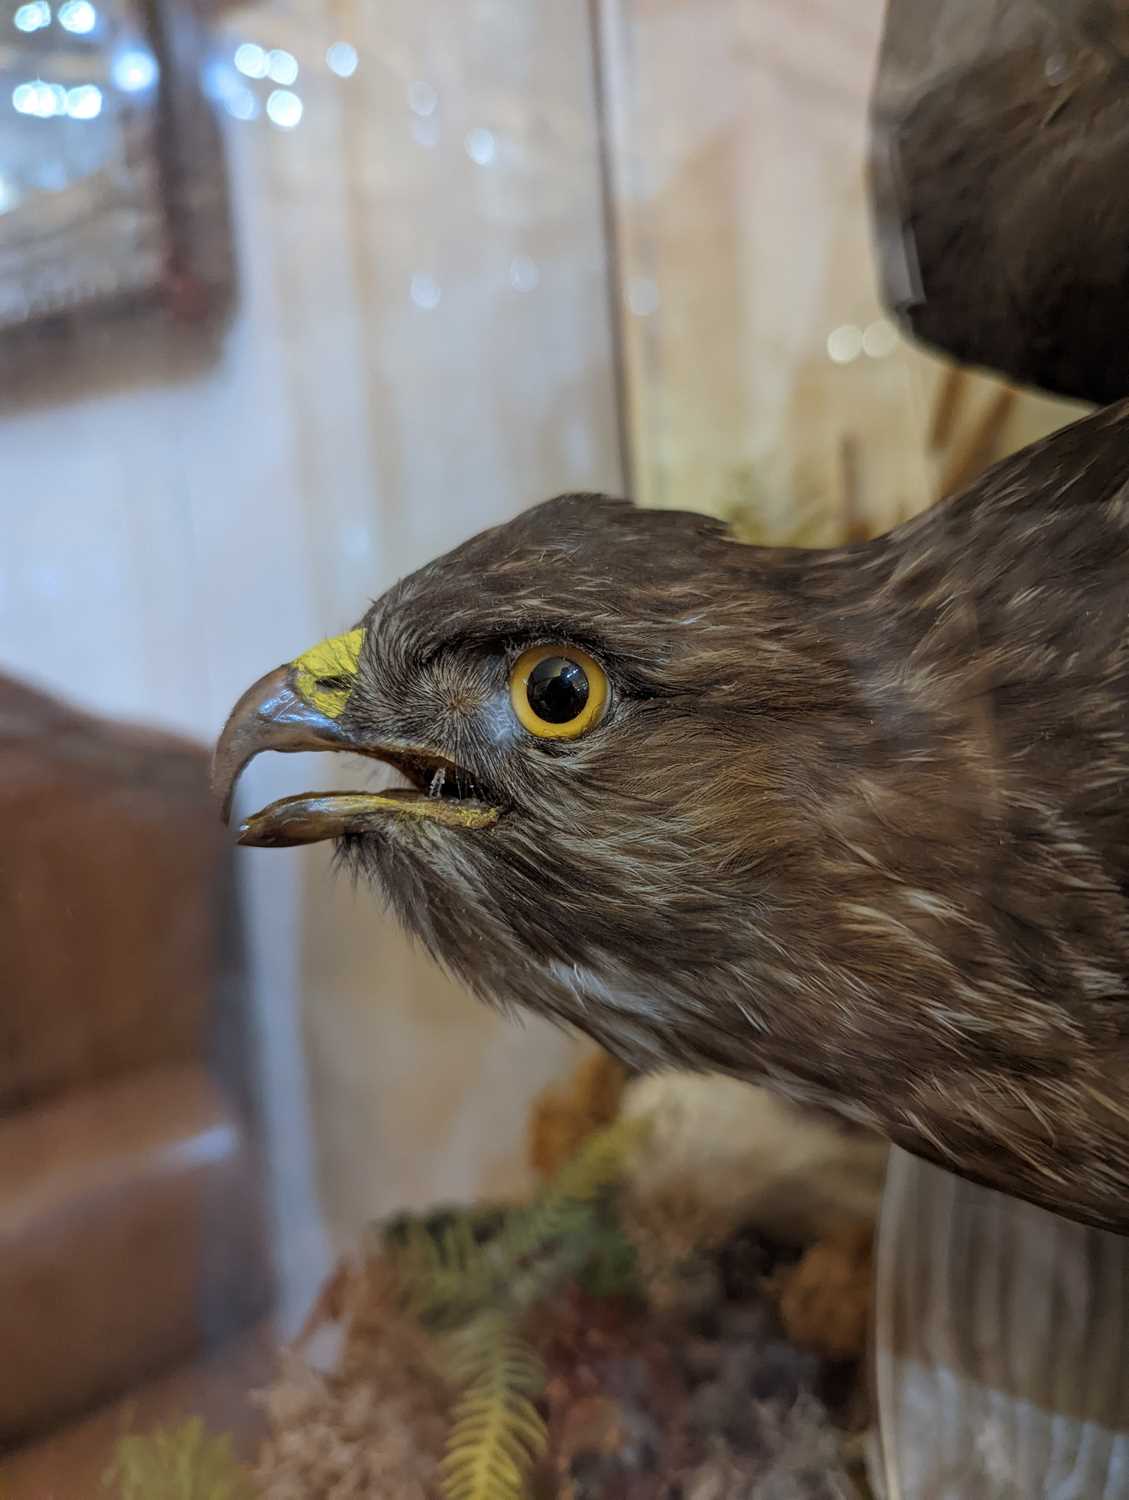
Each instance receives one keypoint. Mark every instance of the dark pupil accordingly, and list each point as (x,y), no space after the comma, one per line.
(557,689)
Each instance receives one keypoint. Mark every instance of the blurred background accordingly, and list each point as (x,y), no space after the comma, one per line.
(292,298)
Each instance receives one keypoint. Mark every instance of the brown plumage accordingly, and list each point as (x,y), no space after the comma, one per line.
(854,822)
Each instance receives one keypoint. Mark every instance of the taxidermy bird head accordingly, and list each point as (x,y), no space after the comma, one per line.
(852,823)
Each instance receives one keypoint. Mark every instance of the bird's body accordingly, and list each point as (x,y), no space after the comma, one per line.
(853,823)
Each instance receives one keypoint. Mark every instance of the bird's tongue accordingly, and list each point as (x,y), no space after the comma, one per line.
(314,816)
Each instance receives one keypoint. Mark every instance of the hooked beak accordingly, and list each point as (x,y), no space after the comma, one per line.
(298,707)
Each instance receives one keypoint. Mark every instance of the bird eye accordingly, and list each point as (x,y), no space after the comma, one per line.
(558,692)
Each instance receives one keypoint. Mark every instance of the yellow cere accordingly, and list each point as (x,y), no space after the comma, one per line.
(588,716)
(327,671)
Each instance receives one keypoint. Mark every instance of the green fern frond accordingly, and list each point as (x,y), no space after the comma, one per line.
(444,1272)
(489,1348)
(563,1208)
(497,1432)
(611,1264)
(601,1160)
(177,1463)
(449,1270)
(474,1278)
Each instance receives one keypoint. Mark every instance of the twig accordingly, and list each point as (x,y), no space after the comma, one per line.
(855,525)
(949,398)
(974,455)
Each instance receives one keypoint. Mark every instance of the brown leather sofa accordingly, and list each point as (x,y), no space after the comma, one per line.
(131,1225)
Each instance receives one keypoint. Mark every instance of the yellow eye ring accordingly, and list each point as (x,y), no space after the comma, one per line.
(558,692)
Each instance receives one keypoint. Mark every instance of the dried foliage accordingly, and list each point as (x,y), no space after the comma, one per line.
(824,1299)
(533,1351)
(564,1116)
(372,1430)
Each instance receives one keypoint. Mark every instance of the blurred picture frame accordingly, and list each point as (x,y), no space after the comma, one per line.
(113,187)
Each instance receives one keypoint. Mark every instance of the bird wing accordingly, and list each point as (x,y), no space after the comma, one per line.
(1001,1346)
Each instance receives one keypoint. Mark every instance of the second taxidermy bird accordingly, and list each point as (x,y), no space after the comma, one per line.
(851,823)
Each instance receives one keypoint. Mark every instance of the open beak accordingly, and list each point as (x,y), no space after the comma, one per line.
(298,707)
